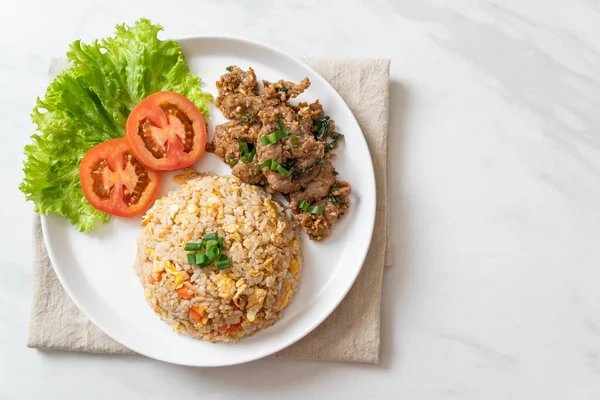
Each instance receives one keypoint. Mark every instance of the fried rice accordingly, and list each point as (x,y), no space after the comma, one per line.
(260,240)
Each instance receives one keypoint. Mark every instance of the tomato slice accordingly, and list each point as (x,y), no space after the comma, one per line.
(166,131)
(114,182)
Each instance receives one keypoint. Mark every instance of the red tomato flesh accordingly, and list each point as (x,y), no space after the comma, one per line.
(166,131)
(114,182)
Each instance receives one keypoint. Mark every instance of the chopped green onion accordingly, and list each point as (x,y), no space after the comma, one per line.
(276,136)
(266,140)
(272,137)
(306,207)
(275,166)
(230,68)
(247,119)
(243,147)
(212,254)
(223,262)
(232,161)
(190,246)
(210,244)
(201,259)
(247,155)
(281,125)
(279,135)
(191,258)
(281,89)
(316,210)
(265,164)
(294,141)
(211,236)
(282,171)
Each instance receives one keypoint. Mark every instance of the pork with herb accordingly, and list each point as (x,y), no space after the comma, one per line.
(287,148)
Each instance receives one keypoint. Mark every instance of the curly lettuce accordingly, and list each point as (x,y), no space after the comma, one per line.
(89,103)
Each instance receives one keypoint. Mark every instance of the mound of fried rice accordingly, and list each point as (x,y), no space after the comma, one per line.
(260,240)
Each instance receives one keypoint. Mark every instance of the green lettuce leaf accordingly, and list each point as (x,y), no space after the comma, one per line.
(89,103)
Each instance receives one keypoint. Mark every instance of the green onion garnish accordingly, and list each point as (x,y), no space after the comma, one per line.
(191,258)
(213,253)
(281,125)
(282,171)
(212,244)
(192,246)
(243,147)
(201,259)
(232,161)
(247,119)
(211,236)
(230,68)
(223,262)
(275,166)
(272,137)
(281,89)
(265,164)
(306,207)
(294,141)
(316,210)
(276,136)
(247,155)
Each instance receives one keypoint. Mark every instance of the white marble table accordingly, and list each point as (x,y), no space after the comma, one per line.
(495,194)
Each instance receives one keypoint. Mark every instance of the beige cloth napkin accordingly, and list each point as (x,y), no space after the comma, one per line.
(351,333)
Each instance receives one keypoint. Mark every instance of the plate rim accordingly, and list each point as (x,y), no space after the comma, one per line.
(332,305)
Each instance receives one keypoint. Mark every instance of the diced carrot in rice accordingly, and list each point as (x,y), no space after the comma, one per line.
(184,293)
(234,328)
(197,314)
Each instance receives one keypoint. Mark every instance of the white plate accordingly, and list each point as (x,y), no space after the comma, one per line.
(96,268)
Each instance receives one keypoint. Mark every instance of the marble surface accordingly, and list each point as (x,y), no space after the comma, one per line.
(495,194)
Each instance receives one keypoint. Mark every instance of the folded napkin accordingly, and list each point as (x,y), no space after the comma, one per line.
(351,333)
